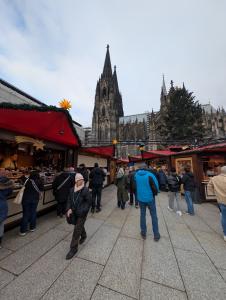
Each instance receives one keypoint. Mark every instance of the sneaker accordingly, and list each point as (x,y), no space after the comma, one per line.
(71,253)
(137,206)
(92,210)
(225,238)
(170,209)
(32,230)
(22,233)
(98,210)
(82,240)
(156,238)
(179,213)
(143,236)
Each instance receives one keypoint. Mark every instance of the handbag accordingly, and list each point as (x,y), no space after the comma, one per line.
(72,219)
(19,196)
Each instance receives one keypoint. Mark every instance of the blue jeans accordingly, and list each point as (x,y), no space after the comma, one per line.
(188,199)
(223,217)
(29,216)
(152,208)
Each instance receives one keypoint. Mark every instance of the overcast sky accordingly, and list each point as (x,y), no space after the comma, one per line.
(54,49)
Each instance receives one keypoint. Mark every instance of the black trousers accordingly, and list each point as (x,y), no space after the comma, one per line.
(61,208)
(79,232)
(131,197)
(96,196)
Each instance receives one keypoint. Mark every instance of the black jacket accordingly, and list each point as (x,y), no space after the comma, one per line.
(189,182)
(61,194)
(80,202)
(174,182)
(30,194)
(97,177)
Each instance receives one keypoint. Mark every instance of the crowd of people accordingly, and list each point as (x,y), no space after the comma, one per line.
(79,192)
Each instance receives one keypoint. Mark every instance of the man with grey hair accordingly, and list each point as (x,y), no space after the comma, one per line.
(217,185)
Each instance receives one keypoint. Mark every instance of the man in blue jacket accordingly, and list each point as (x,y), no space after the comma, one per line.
(146,188)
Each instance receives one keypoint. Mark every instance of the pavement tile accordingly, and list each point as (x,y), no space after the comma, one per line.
(195,223)
(131,227)
(160,265)
(122,271)
(78,281)
(154,291)
(65,227)
(100,245)
(118,217)
(18,261)
(102,293)
(202,281)
(91,226)
(106,211)
(13,241)
(214,246)
(223,273)
(184,239)
(5,278)
(4,252)
(37,279)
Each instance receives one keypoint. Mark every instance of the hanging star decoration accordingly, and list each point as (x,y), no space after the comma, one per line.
(65,104)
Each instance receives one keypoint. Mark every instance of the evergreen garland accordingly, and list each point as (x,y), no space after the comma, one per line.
(28,107)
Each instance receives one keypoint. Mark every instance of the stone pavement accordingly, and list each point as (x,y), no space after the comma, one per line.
(189,262)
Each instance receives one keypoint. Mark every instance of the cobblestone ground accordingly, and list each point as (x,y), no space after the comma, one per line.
(189,262)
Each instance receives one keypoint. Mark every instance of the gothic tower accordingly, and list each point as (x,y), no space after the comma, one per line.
(108,105)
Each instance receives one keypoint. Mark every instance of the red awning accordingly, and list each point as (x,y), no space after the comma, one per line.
(221,147)
(105,151)
(49,125)
(157,153)
(122,161)
(135,158)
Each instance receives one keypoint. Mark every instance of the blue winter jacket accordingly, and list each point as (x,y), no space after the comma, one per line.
(146,186)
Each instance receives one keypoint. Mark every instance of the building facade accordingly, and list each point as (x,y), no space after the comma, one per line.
(108,106)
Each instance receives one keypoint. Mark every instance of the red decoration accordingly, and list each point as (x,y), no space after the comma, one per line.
(105,151)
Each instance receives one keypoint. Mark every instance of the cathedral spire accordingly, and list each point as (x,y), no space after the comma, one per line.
(164,91)
(107,71)
(115,79)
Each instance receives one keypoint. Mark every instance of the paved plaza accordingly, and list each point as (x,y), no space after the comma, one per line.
(189,261)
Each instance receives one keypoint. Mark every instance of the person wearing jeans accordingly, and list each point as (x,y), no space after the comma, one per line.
(189,189)
(146,187)
(217,186)
(174,183)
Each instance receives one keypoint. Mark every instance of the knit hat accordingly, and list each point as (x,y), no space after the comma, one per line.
(223,170)
(78,177)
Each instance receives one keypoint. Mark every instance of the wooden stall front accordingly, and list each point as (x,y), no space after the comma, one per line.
(35,138)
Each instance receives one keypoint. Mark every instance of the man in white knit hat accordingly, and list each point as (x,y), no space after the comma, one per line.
(217,185)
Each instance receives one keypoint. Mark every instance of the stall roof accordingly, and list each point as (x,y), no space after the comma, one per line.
(157,153)
(105,151)
(221,147)
(48,123)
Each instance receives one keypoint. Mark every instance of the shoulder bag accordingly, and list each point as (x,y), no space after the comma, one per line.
(19,196)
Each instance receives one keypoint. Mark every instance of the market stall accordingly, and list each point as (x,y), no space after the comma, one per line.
(205,162)
(35,138)
(103,155)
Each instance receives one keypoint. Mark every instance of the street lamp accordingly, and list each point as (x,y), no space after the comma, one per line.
(115,142)
(141,148)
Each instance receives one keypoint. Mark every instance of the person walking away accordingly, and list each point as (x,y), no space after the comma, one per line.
(97,177)
(189,189)
(32,192)
(162,180)
(131,191)
(174,183)
(79,203)
(122,183)
(62,185)
(217,185)
(84,171)
(6,189)
(146,187)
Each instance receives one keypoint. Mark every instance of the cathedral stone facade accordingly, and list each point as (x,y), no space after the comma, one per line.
(108,105)
(109,122)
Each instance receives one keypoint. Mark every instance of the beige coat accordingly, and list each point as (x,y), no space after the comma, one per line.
(217,185)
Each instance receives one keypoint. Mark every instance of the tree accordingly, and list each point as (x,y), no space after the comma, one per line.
(182,117)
